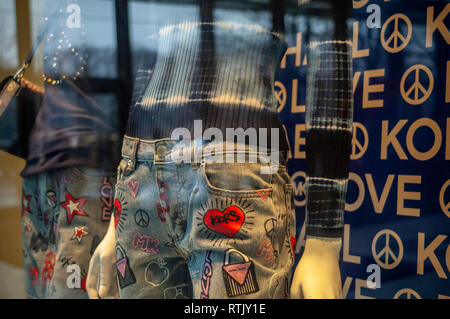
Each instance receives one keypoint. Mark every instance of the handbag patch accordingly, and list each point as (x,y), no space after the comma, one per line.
(239,278)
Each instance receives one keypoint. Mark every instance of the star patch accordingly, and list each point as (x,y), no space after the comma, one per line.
(79,232)
(74,207)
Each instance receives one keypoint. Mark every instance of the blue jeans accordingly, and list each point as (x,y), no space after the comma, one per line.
(65,214)
(202,229)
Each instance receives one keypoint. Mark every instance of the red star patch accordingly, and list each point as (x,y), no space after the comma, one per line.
(25,204)
(78,233)
(74,207)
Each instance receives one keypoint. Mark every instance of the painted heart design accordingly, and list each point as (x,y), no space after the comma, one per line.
(156,274)
(133,187)
(227,223)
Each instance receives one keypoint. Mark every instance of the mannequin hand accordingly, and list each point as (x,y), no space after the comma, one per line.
(101,281)
(317,274)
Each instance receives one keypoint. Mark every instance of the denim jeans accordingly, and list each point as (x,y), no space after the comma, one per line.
(202,229)
(65,214)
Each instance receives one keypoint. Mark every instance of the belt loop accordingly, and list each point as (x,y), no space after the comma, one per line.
(131,164)
(134,152)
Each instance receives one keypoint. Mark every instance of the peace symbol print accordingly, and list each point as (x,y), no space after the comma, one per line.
(407,293)
(384,257)
(412,94)
(444,206)
(396,41)
(281,95)
(358,148)
(141,218)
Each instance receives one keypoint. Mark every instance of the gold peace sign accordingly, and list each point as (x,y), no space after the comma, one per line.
(408,292)
(444,206)
(359,149)
(281,95)
(396,41)
(411,95)
(386,252)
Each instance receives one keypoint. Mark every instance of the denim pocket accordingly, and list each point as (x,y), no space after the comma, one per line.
(238,179)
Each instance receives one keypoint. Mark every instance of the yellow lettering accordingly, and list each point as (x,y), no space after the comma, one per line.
(403,195)
(438,24)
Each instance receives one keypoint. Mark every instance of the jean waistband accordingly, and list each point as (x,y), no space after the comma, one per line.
(195,151)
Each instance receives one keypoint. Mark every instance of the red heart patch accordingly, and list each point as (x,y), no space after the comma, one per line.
(227,223)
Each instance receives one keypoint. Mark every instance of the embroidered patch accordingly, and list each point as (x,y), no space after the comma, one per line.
(270,226)
(119,212)
(49,266)
(266,249)
(156,272)
(74,207)
(146,243)
(107,195)
(125,274)
(78,233)
(240,277)
(51,199)
(27,226)
(223,220)
(178,292)
(26,203)
(141,218)
(206,276)
(133,186)
(228,222)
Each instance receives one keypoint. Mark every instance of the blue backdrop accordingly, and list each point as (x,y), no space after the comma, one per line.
(398,212)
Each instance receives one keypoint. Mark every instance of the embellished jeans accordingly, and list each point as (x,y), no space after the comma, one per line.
(208,227)
(65,215)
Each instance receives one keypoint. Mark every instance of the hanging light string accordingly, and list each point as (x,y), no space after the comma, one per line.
(61,44)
